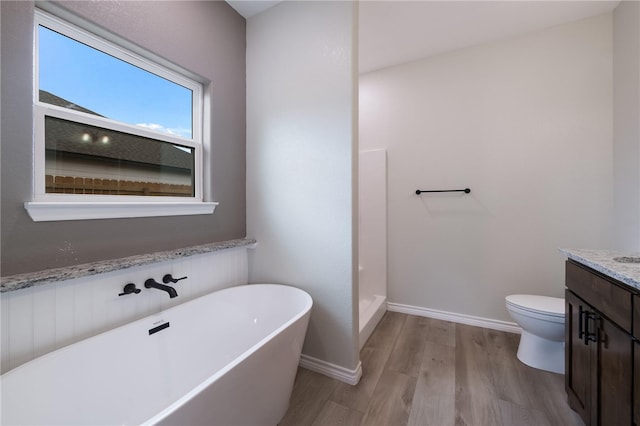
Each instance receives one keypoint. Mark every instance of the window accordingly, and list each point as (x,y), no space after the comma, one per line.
(116,134)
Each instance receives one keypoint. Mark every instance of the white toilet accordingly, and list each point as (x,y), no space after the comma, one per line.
(542,321)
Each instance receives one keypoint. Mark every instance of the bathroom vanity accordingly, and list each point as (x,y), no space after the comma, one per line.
(602,337)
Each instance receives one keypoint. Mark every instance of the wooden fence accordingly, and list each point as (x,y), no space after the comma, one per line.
(79,185)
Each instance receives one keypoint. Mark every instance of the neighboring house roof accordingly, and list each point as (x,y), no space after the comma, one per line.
(67,136)
(50,98)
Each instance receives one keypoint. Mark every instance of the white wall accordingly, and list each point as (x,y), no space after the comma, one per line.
(526,123)
(626,125)
(38,320)
(301,171)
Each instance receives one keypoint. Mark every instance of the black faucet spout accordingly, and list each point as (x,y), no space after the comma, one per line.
(151,283)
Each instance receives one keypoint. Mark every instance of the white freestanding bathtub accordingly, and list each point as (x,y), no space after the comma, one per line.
(227,358)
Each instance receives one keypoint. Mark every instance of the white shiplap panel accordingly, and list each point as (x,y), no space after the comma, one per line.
(241,271)
(198,275)
(103,297)
(83,309)
(65,322)
(44,320)
(4,333)
(20,327)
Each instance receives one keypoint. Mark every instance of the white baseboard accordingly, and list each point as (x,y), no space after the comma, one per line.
(351,377)
(510,327)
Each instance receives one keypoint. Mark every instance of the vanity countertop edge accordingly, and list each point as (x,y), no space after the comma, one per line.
(602,261)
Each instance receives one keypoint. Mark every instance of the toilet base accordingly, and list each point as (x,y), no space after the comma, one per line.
(541,353)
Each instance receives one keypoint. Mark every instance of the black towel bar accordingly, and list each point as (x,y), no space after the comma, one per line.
(466,190)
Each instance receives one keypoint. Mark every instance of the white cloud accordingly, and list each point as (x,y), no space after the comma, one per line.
(185,133)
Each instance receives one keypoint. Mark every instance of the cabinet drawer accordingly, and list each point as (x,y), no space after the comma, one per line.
(608,298)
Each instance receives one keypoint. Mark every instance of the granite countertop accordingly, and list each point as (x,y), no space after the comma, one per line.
(602,261)
(31,279)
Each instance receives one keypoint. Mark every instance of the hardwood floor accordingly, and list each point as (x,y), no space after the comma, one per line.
(421,371)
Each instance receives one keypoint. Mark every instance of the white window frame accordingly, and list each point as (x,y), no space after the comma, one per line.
(51,207)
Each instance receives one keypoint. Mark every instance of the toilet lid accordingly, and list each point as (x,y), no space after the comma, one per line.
(541,304)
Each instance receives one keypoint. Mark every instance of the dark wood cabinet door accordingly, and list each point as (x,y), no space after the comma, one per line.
(615,375)
(578,369)
(636,384)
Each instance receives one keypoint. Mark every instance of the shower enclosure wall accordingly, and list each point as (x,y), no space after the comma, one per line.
(372,240)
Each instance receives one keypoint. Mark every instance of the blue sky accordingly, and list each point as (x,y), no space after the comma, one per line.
(111,87)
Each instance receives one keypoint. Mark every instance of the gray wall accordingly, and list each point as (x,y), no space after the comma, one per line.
(207,38)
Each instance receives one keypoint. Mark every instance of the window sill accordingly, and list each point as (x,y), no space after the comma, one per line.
(46,211)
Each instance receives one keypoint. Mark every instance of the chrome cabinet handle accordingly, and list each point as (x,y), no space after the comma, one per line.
(589,336)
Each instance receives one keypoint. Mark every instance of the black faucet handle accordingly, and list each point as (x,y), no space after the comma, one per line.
(129,289)
(169,279)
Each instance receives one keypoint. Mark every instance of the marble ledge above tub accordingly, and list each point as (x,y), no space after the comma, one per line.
(31,279)
(602,261)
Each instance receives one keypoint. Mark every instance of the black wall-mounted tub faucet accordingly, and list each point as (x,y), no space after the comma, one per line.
(151,283)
